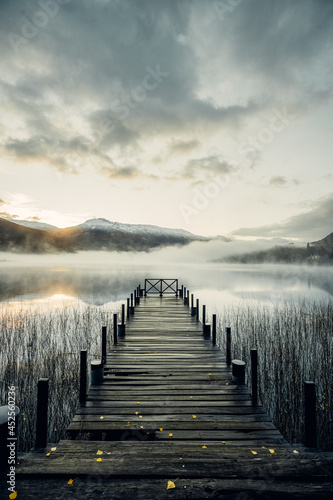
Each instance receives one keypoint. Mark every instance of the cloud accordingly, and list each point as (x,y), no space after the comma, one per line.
(207,166)
(183,147)
(280,181)
(6,215)
(119,172)
(277,181)
(104,80)
(313,224)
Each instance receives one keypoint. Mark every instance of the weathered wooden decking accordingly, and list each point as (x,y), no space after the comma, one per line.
(167,409)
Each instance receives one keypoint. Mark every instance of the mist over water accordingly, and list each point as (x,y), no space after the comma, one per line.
(102,277)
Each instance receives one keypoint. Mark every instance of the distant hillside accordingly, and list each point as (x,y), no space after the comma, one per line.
(21,239)
(317,252)
(94,234)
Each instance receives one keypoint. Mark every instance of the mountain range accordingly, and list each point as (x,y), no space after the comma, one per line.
(21,236)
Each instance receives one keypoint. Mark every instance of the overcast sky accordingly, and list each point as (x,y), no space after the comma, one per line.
(212,116)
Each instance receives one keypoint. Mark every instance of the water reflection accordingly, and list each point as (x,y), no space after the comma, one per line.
(101,285)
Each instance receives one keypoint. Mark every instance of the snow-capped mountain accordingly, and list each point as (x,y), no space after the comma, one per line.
(142,229)
(94,234)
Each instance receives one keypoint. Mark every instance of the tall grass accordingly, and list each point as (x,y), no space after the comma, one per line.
(295,343)
(43,342)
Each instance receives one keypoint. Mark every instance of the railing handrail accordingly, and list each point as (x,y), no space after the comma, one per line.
(161,286)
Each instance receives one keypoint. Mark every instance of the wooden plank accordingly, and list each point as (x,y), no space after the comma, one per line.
(151,489)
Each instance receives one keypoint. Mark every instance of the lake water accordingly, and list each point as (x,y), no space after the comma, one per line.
(214,284)
(48,313)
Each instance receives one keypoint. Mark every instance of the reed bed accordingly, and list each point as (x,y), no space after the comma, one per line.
(295,343)
(42,342)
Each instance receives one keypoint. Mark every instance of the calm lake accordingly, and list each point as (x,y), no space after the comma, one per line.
(48,313)
(215,284)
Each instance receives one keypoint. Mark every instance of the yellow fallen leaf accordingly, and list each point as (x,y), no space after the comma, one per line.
(98,460)
(204,446)
(191,397)
(101,418)
(71,481)
(170,485)
(170,435)
(272,451)
(295,451)
(161,429)
(263,446)
(140,416)
(128,422)
(254,452)
(209,373)
(99,452)
(54,449)
(138,402)
(136,413)
(12,496)
(108,452)
(223,442)
(194,416)
(48,454)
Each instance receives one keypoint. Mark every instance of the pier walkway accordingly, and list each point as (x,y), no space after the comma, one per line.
(168,414)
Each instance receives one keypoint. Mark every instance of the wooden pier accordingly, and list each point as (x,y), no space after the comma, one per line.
(168,414)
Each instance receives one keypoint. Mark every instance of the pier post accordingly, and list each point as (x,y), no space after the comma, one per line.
(42,406)
(203,314)
(310,423)
(228,335)
(127,308)
(238,371)
(193,309)
(214,329)
(197,306)
(83,376)
(103,344)
(254,374)
(132,304)
(96,372)
(122,327)
(181,292)
(115,321)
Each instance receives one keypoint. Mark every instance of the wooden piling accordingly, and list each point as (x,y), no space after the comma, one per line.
(96,372)
(254,374)
(122,314)
(197,306)
(228,345)
(127,308)
(83,376)
(203,314)
(310,421)
(103,344)
(238,371)
(115,321)
(42,406)
(214,329)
